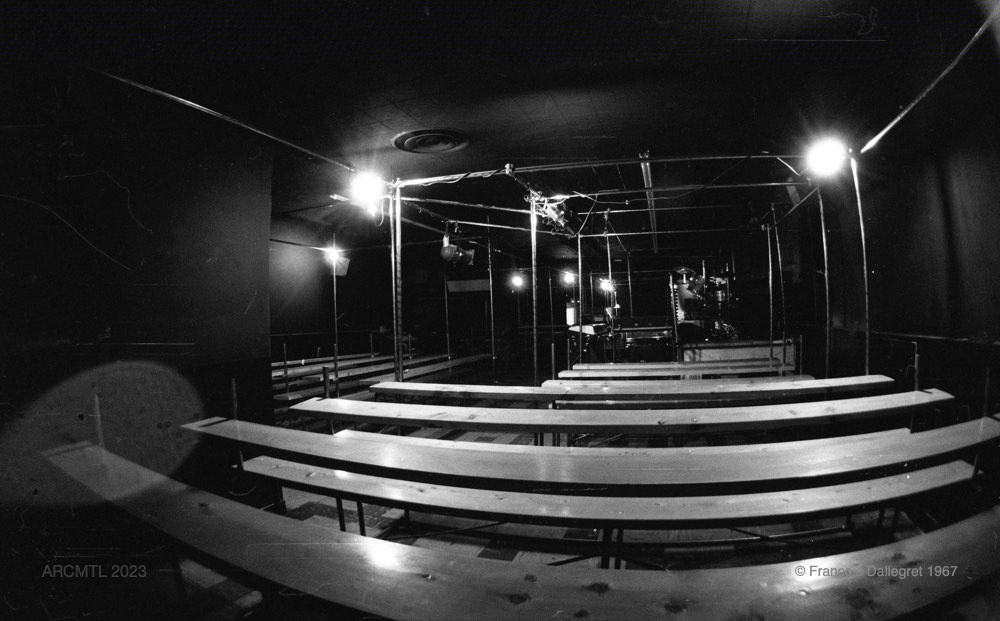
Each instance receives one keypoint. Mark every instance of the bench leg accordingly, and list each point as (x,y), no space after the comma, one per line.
(606,540)
(361,519)
(340,515)
(895,517)
(621,540)
(881,516)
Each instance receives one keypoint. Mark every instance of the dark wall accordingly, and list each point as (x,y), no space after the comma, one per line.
(134,254)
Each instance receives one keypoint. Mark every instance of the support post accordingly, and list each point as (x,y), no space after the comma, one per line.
(236,416)
(336,318)
(826,284)
(770,296)
(781,294)
(579,301)
(326,382)
(397,283)
(864,264)
(493,334)
(534,293)
(628,267)
(284,357)
(673,313)
(336,368)
(447,321)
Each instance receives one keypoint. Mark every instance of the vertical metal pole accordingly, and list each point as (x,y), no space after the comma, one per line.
(552,353)
(579,301)
(704,293)
(284,356)
(770,296)
(236,416)
(489,269)
(98,425)
(826,282)
(552,313)
(628,266)
(397,283)
(447,320)
(673,312)
(336,368)
(326,382)
(864,264)
(611,317)
(781,294)
(336,319)
(371,345)
(534,293)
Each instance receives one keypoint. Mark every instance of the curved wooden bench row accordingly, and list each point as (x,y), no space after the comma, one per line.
(416,367)
(610,422)
(614,471)
(316,374)
(616,511)
(301,362)
(668,394)
(342,364)
(681,373)
(403,582)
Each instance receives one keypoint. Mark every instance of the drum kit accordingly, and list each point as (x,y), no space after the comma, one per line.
(704,301)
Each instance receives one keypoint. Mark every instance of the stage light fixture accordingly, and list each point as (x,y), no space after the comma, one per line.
(826,157)
(517,281)
(367,190)
(568,278)
(605,285)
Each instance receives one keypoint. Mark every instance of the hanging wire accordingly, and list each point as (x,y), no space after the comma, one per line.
(70,226)
(965,50)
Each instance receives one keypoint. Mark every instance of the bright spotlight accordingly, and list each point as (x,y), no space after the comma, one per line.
(517,281)
(605,285)
(826,157)
(568,278)
(367,189)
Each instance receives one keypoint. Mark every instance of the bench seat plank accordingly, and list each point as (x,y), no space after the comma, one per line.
(673,393)
(620,512)
(613,470)
(694,379)
(681,364)
(404,582)
(670,422)
(726,371)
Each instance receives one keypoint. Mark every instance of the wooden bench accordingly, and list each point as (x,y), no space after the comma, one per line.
(667,394)
(404,582)
(301,362)
(610,422)
(614,471)
(416,367)
(683,373)
(313,369)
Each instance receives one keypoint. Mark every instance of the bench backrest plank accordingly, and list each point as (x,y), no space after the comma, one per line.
(629,381)
(406,582)
(613,471)
(677,394)
(672,421)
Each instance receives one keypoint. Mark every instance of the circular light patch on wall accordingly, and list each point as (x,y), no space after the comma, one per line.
(431,141)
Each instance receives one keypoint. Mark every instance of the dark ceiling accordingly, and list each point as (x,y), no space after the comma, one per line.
(536,83)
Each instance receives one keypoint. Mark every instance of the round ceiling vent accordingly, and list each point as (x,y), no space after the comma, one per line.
(430,141)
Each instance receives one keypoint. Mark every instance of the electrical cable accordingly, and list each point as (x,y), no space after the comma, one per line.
(71,227)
